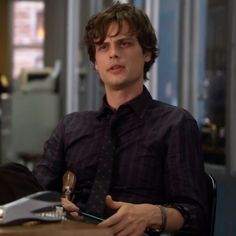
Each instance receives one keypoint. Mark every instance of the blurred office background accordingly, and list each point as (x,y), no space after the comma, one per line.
(45,73)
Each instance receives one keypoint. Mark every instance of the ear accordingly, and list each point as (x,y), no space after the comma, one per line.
(147,56)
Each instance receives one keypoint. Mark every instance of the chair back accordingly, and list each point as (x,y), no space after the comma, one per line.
(211,208)
(212,199)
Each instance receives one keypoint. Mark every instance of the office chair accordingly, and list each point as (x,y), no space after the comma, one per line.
(211,207)
(211,198)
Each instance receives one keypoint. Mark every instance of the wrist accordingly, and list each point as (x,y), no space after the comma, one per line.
(158,219)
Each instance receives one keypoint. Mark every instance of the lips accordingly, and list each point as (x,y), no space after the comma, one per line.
(116,68)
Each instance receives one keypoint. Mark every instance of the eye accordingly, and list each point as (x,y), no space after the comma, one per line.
(102,47)
(125,44)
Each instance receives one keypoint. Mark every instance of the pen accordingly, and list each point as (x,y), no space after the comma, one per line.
(82,213)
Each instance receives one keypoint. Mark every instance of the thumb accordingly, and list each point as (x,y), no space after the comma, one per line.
(112,204)
(68,205)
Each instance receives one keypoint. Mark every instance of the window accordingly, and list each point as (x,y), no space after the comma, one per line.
(214,85)
(28,35)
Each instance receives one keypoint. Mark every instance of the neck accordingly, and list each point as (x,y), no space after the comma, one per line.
(115,98)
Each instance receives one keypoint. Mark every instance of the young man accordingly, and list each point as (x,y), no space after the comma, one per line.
(155,175)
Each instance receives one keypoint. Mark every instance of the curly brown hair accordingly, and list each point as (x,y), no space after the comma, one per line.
(139,24)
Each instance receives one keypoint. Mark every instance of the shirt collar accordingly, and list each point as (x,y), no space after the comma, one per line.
(139,105)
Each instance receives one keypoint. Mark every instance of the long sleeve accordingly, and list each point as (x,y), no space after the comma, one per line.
(184,176)
(49,169)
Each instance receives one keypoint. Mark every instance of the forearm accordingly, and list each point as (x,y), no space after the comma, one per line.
(156,218)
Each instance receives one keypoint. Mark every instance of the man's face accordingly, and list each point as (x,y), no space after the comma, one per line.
(120,59)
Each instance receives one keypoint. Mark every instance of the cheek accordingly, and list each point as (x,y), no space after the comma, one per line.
(100,63)
(96,66)
(96,63)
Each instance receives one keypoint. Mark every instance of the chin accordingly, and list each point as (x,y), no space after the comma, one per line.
(117,87)
(121,85)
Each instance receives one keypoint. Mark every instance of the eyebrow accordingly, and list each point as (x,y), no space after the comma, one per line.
(130,37)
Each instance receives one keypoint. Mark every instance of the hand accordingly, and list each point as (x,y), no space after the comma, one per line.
(71,208)
(129,220)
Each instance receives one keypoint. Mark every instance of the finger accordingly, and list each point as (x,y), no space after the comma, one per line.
(120,226)
(109,222)
(112,204)
(66,202)
(75,216)
(127,231)
(68,205)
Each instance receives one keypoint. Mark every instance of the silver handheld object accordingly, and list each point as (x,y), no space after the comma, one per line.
(41,206)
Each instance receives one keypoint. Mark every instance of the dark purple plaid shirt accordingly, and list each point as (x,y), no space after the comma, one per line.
(157,159)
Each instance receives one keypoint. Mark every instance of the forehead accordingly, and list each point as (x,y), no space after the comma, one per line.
(116,29)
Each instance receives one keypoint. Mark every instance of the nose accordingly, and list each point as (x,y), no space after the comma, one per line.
(113,52)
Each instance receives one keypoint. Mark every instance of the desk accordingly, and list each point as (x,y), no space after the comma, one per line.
(64,228)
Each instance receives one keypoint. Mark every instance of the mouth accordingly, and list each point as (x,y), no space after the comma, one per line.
(116,68)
